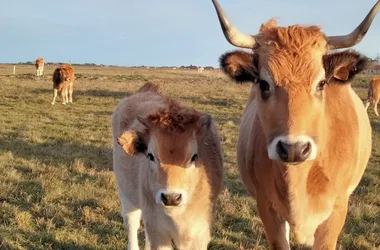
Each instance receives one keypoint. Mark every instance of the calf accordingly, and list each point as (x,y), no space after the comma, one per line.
(168,165)
(63,80)
(373,94)
(40,63)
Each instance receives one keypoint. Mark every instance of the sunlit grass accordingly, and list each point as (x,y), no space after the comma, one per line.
(57,189)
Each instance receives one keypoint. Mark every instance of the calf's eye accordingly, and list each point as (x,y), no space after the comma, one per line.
(195,156)
(150,156)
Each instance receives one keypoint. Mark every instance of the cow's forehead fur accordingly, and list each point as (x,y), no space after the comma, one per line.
(291,54)
(175,148)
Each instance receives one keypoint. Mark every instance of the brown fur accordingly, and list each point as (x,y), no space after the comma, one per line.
(373,94)
(309,95)
(40,63)
(148,124)
(63,80)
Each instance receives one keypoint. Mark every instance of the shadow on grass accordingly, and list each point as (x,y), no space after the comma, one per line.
(45,240)
(227,103)
(58,152)
(86,93)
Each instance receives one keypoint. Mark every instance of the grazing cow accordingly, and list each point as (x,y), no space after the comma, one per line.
(40,63)
(373,94)
(200,69)
(63,80)
(305,138)
(168,165)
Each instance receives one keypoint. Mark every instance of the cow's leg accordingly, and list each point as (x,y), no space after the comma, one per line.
(55,93)
(71,93)
(63,94)
(42,71)
(157,240)
(132,217)
(199,242)
(327,233)
(375,106)
(367,105)
(276,228)
(67,95)
(147,242)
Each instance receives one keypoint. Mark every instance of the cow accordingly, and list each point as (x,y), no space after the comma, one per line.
(305,138)
(63,80)
(168,165)
(200,69)
(373,94)
(40,63)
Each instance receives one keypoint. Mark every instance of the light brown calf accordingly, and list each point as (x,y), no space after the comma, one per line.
(168,165)
(40,63)
(305,138)
(63,80)
(373,94)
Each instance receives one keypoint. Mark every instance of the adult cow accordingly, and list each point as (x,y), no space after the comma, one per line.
(63,80)
(40,63)
(305,138)
(373,94)
(168,165)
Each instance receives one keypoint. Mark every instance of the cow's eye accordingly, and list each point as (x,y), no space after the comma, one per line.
(194,158)
(150,156)
(264,87)
(321,85)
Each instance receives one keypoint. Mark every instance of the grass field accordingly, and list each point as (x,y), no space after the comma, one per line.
(57,189)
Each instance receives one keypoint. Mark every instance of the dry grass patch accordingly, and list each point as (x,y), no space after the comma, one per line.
(57,189)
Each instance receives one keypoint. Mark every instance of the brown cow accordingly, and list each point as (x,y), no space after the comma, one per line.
(168,165)
(40,63)
(305,138)
(63,80)
(373,94)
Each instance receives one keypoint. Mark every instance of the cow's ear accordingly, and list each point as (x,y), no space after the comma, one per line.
(343,66)
(133,142)
(206,120)
(239,65)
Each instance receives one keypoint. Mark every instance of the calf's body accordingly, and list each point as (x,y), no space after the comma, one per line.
(373,94)
(63,80)
(168,166)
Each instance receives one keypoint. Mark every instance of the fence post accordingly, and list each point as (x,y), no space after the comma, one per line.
(14,69)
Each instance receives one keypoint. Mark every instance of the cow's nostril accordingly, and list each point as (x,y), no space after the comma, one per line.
(282,150)
(305,151)
(164,199)
(177,197)
(171,199)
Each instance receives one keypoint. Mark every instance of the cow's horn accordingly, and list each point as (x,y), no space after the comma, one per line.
(232,34)
(338,42)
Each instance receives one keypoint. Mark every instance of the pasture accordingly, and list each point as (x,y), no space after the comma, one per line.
(57,189)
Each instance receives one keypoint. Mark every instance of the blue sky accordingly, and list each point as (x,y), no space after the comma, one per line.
(158,32)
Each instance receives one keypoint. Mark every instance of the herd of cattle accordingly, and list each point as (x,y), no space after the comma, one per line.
(304,141)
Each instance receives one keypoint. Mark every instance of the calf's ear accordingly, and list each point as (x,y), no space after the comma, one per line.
(132,142)
(239,65)
(342,67)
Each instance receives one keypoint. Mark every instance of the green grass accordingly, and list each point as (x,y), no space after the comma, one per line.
(57,189)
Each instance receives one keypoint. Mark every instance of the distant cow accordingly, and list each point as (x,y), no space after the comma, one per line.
(200,69)
(168,164)
(373,94)
(63,80)
(40,63)
(305,138)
